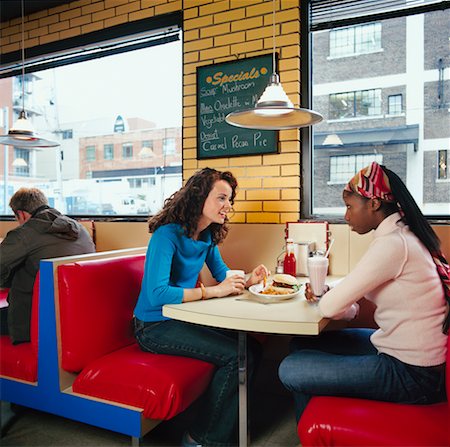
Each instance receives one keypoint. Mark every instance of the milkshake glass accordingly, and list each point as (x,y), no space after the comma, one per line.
(317,271)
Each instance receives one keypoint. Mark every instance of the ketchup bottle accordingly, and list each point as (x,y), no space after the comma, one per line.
(290,263)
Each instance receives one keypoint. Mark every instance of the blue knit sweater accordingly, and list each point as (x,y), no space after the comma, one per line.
(173,263)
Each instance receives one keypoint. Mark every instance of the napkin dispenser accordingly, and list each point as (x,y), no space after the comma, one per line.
(302,251)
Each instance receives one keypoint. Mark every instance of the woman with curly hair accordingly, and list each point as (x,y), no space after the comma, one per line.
(186,233)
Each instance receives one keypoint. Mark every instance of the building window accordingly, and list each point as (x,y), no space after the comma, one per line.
(108,151)
(141,182)
(395,106)
(344,167)
(355,104)
(443,160)
(146,149)
(355,40)
(127,151)
(21,162)
(90,153)
(67,134)
(169,147)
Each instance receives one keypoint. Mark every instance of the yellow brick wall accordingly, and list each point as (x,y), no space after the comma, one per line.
(214,31)
(223,30)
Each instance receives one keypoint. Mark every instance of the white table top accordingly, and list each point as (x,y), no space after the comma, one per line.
(294,316)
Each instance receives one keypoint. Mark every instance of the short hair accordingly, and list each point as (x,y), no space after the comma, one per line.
(27,199)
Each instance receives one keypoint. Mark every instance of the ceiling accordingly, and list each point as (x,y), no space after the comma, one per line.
(11,9)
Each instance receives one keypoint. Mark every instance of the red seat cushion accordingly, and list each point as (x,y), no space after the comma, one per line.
(96,303)
(18,361)
(163,385)
(21,361)
(339,421)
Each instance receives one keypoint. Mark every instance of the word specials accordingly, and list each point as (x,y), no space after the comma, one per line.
(223,89)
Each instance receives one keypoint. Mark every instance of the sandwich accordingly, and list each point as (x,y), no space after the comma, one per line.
(282,284)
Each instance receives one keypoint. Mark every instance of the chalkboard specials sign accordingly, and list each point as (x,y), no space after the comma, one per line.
(225,88)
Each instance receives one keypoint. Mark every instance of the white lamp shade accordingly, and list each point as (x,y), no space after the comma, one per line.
(274,111)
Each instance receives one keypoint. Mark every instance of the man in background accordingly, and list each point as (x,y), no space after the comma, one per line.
(43,233)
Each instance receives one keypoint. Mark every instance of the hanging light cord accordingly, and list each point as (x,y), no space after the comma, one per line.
(273,37)
(23,58)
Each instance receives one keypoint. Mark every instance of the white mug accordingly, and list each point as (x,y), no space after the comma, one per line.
(235,272)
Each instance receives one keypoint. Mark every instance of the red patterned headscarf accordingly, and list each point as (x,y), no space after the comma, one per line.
(371,182)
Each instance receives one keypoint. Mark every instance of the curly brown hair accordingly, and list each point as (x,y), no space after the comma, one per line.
(185,206)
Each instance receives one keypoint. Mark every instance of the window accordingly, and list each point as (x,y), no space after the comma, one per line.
(127,151)
(355,104)
(344,167)
(146,149)
(355,40)
(90,153)
(395,104)
(108,152)
(378,101)
(443,160)
(169,147)
(100,156)
(67,134)
(139,182)
(21,162)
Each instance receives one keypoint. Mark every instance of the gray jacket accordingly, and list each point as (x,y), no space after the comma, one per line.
(46,235)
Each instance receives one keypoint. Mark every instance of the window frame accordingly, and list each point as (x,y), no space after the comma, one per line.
(306,133)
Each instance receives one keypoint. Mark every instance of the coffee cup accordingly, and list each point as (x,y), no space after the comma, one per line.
(235,272)
(317,271)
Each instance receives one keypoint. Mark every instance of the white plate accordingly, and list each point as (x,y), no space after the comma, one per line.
(256,290)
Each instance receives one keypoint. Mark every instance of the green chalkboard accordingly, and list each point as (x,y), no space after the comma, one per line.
(225,88)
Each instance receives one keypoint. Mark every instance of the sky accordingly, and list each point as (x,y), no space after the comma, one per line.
(145,83)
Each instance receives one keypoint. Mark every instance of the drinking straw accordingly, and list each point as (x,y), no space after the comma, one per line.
(329,248)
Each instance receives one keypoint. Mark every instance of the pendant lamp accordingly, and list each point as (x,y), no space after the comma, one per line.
(22,134)
(274,110)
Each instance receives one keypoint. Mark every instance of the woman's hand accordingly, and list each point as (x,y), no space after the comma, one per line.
(234,285)
(258,274)
(309,295)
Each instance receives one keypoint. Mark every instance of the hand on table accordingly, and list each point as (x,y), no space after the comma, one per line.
(309,295)
(234,285)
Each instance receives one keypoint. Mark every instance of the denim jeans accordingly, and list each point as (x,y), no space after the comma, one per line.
(345,363)
(217,420)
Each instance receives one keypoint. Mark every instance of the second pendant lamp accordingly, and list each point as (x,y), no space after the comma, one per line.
(274,110)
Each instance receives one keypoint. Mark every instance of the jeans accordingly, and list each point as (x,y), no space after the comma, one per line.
(217,420)
(345,363)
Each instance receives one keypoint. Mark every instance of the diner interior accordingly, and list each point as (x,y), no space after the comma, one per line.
(129,137)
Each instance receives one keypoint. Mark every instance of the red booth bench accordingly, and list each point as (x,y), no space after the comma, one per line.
(340,421)
(83,362)
(99,357)
(19,362)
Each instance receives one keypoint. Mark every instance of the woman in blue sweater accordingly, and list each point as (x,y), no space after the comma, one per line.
(186,233)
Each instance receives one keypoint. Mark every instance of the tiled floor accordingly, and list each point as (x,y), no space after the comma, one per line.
(272,420)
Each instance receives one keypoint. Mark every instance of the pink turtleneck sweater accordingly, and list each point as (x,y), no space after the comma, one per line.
(399,276)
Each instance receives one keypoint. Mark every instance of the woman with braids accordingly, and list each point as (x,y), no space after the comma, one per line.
(186,233)
(405,275)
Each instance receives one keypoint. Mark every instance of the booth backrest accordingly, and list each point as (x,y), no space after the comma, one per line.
(96,303)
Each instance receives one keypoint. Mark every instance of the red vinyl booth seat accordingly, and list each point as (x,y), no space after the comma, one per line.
(339,421)
(21,361)
(96,303)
